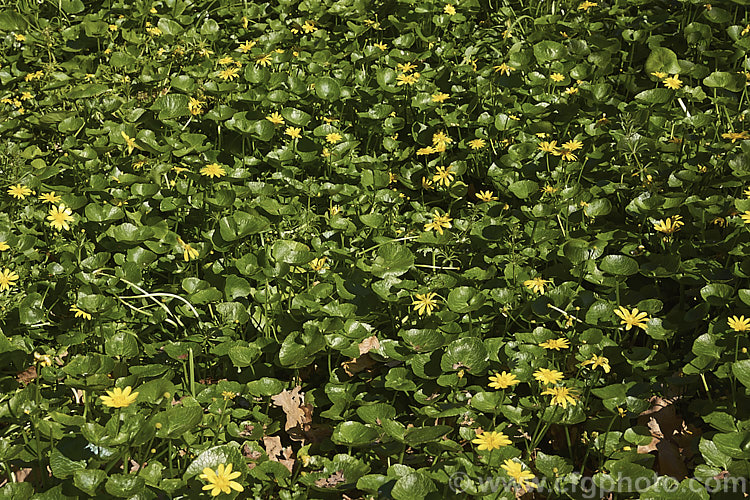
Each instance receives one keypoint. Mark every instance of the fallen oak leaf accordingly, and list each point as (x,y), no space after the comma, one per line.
(292,404)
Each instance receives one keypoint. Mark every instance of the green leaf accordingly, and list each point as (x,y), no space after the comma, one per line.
(553,466)
(62,466)
(654,96)
(327,88)
(121,344)
(31,309)
(354,434)
(412,486)
(548,50)
(392,260)
(171,106)
(237,286)
(296,116)
(465,299)
(101,213)
(524,189)
(619,265)
(178,420)
(291,252)
(468,353)
(16,491)
(662,60)
(717,294)
(244,356)
(741,370)
(721,79)
(88,480)
(241,224)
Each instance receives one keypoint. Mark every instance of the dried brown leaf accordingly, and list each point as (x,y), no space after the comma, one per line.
(331,481)
(369,344)
(362,363)
(26,376)
(291,404)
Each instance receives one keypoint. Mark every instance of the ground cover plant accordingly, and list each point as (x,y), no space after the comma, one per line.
(374,249)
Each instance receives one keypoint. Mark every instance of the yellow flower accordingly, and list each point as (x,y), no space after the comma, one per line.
(381,45)
(441,138)
(670,225)
(547,189)
(659,74)
(20,37)
(672,82)
(548,377)
(491,441)
(318,264)
(561,396)
(407,79)
(477,144)
(293,132)
(586,5)
(536,284)
(450,10)
(334,210)
(405,67)
(556,344)
(204,52)
(521,476)
(3,246)
(213,170)
(19,191)
(573,145)
(247,46)
(487,196)
(503,380)
(195,106)
(503,69)
(557,77)
(443,176)
(566,154)
(221,480)
(736,136)
(80,313)
(43,359)
(597,361)
(632,318)
(548,147)
(333,138)
(227,395)
(275,118)
(427,183)
(440,97)
(426,151)
(154,31)
(189,252)
(438,223)
(7,277)
(424,303)
(571,90)
(119,398)
(263,60)
(129,142)
(740,324)
(25,96)
(226,60)
(59,217)
(229,73)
